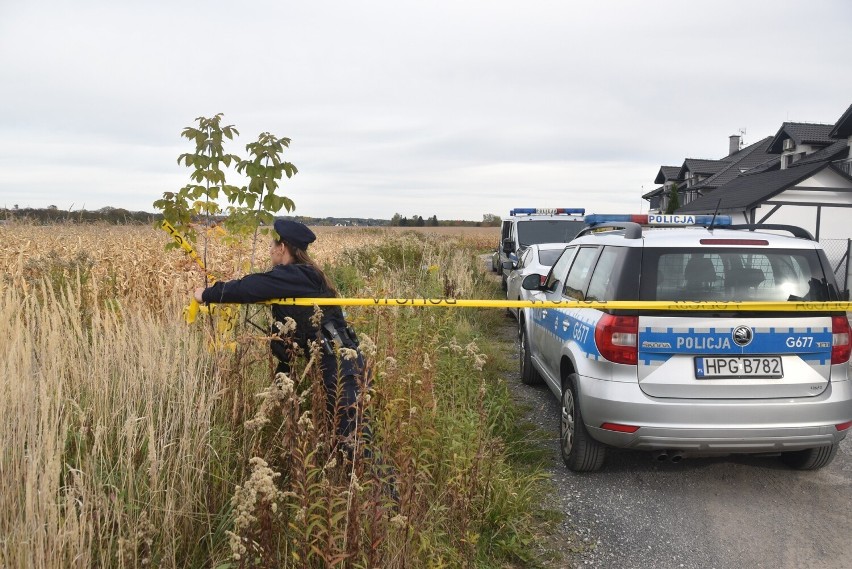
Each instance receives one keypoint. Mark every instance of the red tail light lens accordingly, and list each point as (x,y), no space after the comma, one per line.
(843,426)
(616,338)
(619,428)
(841,346)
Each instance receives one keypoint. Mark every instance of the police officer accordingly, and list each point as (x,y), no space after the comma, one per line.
(295,275)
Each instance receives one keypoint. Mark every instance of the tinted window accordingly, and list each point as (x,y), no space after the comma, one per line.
(560,267)
(549,257)
(537,231)
(578,275)
(733,274)
(602,285)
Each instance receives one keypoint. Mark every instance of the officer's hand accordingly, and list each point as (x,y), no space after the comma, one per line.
(198,292)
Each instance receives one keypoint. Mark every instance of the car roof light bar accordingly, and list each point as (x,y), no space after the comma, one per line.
(548,211)
(660,219)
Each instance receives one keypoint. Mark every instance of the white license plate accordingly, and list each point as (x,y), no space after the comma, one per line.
(738,367)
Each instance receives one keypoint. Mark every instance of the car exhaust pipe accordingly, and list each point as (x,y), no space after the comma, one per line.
(668,455)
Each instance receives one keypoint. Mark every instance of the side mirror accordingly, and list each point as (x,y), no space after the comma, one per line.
(508,246)
(510,265)
(532,282)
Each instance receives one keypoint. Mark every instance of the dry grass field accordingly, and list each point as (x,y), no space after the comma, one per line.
(130,440)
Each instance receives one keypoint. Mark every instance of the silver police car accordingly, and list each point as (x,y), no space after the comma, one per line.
(537,258)
(685,383)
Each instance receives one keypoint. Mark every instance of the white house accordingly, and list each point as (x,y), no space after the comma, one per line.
(802,176)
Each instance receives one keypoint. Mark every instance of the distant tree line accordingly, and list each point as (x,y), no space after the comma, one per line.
(121,216)
(488,220)
(52,214)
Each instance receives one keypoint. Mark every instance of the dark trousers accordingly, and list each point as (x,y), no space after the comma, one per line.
(341,381)
(342,399)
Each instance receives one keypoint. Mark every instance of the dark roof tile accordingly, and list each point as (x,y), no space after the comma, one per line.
(801,133)
(667,173)
(740,162)
(747,191)
(654,192)
(843,126)
(701,166)
(834,151)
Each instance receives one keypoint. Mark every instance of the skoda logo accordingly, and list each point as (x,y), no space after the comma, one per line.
(743,335)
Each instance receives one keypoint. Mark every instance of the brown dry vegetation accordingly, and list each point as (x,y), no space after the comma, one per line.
(128,441)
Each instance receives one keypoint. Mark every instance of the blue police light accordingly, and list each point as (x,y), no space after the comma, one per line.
(548,211)
(659,219)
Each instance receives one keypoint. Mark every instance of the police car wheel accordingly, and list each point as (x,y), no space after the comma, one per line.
(580,452)
(810,459)
(529,375)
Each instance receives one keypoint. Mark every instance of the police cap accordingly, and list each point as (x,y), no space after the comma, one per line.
(294,233)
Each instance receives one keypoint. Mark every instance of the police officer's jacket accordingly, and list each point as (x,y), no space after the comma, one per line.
(293,281)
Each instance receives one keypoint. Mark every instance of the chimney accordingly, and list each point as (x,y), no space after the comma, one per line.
(733,144)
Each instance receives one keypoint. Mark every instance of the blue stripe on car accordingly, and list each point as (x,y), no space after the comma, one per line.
(659,344)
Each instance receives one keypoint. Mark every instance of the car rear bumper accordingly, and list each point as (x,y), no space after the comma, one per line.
(714,425)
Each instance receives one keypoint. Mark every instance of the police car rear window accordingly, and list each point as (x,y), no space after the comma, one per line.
(549,257)
(732,274)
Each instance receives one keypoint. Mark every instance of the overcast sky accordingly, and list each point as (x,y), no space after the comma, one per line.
(446,108)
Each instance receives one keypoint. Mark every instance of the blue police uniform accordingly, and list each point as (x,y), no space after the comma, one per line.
(304,281)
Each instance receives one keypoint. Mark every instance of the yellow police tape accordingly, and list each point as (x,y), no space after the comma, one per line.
(679,305)
(227,321)
(228,316)
(185,245)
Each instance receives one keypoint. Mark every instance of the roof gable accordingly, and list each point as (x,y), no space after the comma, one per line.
(701,166)
(801,133)
(667,173)
(843,126)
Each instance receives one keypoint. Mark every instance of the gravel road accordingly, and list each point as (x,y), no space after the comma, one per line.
(728,512)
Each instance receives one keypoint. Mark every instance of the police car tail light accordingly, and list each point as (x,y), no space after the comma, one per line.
(616,338)
(619,428)
(843,426)
(841,346)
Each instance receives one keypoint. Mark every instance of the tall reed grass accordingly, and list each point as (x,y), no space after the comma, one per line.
(127,441)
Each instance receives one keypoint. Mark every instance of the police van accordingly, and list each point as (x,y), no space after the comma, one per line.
(681,381)
(531,226)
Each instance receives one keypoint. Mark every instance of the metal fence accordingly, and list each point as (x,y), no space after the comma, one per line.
(838,252)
